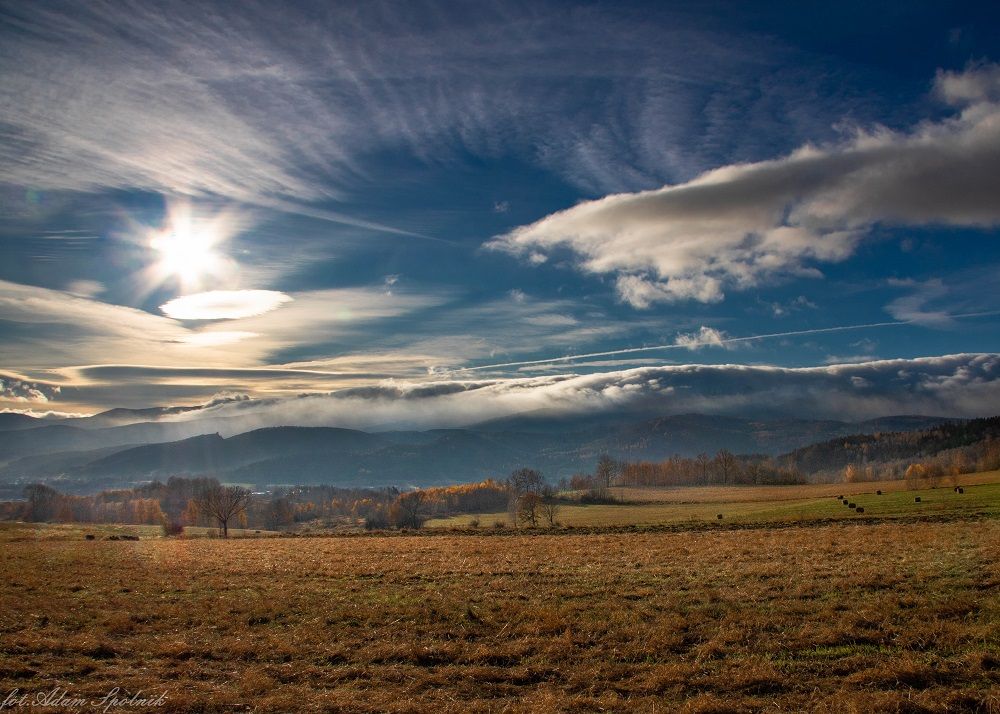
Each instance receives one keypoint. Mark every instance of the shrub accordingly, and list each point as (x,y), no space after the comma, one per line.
(173,528)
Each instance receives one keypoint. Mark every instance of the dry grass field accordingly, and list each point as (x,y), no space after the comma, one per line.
(893,617)
(769,504)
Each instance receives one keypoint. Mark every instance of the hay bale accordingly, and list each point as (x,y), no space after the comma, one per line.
(719,516)
(859,509)
(878,493)
(852,505)
(961,490)
(916,499)
(90,536)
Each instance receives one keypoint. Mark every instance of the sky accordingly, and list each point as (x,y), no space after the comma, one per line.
(437,213)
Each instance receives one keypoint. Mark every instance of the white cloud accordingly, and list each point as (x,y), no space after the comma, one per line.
(224,304)
(14,389)
(704,337)
(746,224)
(913,307)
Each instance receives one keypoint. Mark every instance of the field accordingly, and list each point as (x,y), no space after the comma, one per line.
(760,504)
(834,617)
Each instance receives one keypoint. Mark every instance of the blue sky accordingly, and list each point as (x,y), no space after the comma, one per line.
(276,201)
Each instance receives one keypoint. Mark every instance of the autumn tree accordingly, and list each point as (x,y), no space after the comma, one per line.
(223,503)
(604,476)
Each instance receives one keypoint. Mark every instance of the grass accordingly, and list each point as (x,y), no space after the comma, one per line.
(872,617)
(764,504)
(707,494)
(14,531)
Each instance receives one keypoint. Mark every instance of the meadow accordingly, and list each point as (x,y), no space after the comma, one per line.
(839,617)
(768,504)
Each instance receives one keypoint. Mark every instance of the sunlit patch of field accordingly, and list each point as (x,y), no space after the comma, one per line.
(16,531)
(701,505)
(875,617)
(12,531)
(715,494)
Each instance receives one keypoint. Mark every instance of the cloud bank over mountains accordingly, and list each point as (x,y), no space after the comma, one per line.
(955,385)
(743,225)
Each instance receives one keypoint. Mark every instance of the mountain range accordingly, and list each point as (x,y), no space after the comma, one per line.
(125,447)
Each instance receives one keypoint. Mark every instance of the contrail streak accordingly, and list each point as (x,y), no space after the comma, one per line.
(706,343)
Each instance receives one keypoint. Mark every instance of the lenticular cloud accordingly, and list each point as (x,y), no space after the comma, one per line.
(224,304)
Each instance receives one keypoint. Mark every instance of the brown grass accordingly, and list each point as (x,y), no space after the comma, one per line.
(836,618)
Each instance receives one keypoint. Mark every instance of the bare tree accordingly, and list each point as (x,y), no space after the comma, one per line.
(223,503)
(604,475)
(409,509)
(550,505)
(529,507)
(42,502)
(519,484)
(726,463)
(703,461)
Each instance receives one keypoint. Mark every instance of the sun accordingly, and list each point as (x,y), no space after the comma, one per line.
(187,255)
(188,249)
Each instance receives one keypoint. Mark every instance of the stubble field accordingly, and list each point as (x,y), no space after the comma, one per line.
(839,617)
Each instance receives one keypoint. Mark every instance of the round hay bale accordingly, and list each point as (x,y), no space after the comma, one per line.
(859,509)
(917,499)
(961,490)
(878,493)
(852,505)
(719,516)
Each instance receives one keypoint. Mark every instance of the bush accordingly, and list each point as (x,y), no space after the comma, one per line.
(172,528)
(377,520)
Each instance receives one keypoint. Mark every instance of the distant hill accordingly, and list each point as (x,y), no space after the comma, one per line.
(12,421)
(888,446)
(86,459)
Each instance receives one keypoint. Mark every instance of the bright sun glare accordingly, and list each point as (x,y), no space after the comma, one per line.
(187,248)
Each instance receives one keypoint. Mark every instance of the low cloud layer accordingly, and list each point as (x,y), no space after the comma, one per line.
(955,385)
(747,224)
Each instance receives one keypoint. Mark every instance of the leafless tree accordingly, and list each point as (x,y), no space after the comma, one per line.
(703,461)
(519,484)
(726,462)
(604,475)
(409,509)
(528,508)
(550,505)
(223,503)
